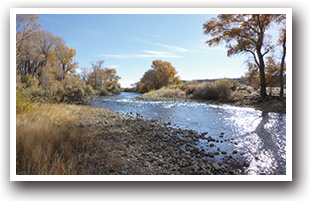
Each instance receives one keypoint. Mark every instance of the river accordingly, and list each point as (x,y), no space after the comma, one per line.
(250,137)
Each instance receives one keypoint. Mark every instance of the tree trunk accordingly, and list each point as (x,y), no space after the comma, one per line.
(262,76)
(282,70)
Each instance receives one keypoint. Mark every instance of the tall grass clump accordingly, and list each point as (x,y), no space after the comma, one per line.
(171,92)
(49,143)
(218,90)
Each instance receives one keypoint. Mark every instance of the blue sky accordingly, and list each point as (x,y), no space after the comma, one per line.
(129,43)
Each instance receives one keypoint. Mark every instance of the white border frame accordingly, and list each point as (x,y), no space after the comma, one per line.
(14,177)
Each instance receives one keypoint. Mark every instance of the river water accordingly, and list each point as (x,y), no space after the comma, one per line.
(249,137)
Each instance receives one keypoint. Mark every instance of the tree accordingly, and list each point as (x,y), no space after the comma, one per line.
(65,56)
(252,75)
(103,78)
(243,33)
(110,79)
(95,77)
(37,49)
(272,72)
(26,26)
(85,74)
(162,74)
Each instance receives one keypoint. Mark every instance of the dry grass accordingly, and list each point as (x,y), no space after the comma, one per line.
(49,142)
(220,90)
(166,92)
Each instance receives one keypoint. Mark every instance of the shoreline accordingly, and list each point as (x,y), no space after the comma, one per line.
(134,145)
(119,144)
(267,106)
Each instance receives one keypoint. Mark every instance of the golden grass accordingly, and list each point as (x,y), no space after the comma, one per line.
(166,92)
(48,140)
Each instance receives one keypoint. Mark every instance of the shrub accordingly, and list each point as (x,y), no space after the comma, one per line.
(190,87)
(207,91)
(218,90)
(103,92)
(172,92)
(223,88)
(116,90)
(73,88)
(89,91)
(29,81)
(23,104)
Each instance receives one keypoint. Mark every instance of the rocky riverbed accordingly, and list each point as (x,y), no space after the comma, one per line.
(132,145)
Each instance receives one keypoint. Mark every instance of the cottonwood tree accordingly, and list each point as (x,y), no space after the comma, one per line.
(37,49)
(110,79)
(162,74)
(102,78)
(65,56)
(84,74)
(95,77)
(26,26)
(272,72)
(165,73)
(243,33)
(149,81)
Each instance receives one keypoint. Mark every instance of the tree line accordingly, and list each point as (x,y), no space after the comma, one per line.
(45,66)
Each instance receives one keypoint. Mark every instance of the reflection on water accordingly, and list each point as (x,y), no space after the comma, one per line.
(248,136)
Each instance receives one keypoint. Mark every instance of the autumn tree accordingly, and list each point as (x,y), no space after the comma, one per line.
(162,74)
(96,76)
(39,50)
(110,79)
(26,27)
(243,33)
(44,64)
(252,75)
(103,78)
(85,74)
(149,81)
(65,56)
(272,72)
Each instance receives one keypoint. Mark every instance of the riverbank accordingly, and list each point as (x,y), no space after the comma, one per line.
(247,97)
(77,139)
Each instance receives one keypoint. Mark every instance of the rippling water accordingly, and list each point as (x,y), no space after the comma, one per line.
(248,136)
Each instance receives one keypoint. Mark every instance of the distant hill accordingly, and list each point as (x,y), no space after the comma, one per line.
(212,80)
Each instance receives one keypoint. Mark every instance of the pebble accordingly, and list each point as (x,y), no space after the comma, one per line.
(163,150)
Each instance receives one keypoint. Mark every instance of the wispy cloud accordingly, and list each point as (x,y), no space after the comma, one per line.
(149,54)
(50,19)
(201,47)
(112,66)
(171,47)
